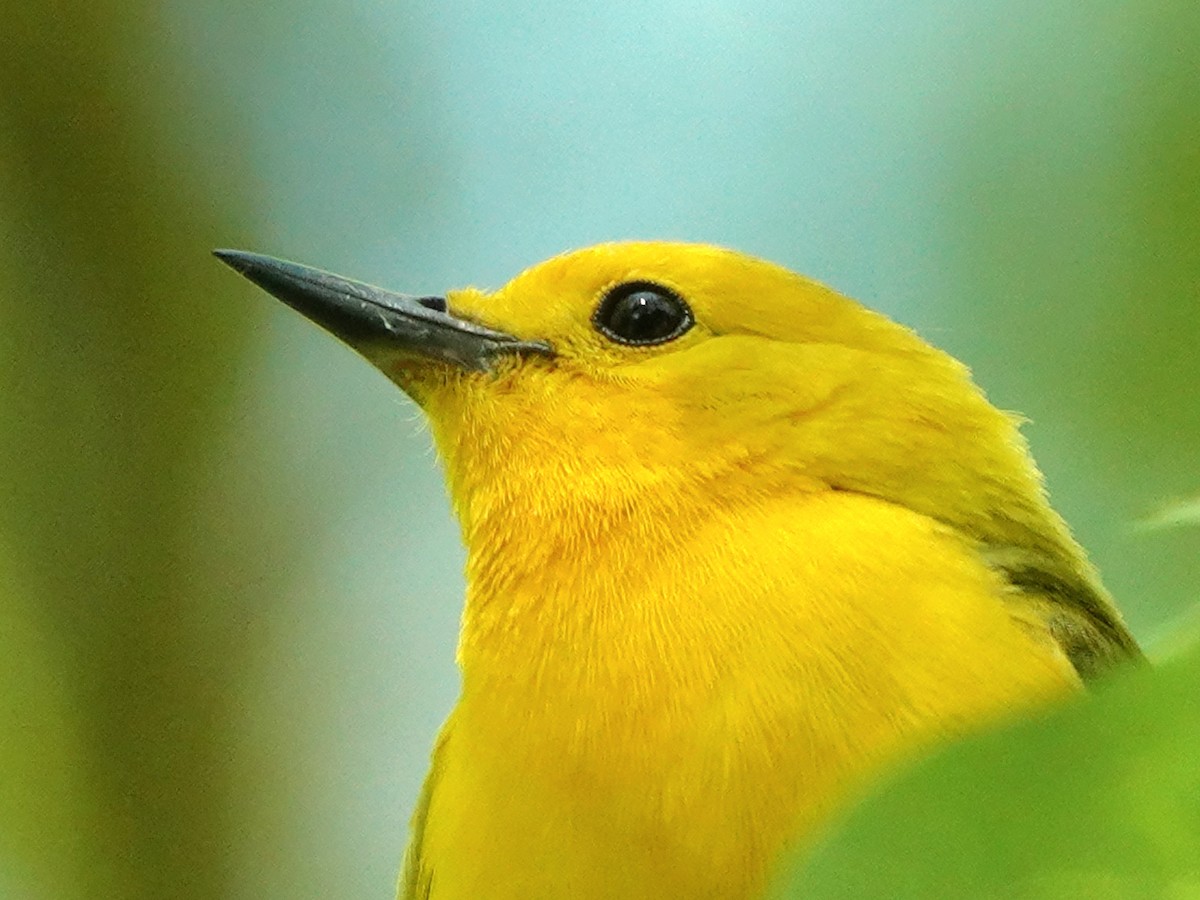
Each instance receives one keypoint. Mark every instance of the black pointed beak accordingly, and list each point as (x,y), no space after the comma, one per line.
(374,321)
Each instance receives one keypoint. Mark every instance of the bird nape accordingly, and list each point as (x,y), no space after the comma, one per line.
(734,544)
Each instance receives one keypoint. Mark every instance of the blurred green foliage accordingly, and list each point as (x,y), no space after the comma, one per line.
(1078,229)
(198,701)
(1101,800)
(117,374)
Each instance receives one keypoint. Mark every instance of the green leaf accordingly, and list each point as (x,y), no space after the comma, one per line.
(1098,800)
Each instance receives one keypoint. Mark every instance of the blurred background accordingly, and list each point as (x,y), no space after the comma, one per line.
(229,579)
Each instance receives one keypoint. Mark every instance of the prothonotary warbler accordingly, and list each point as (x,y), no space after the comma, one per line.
(734,543)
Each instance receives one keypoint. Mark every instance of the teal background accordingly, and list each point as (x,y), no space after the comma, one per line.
(230,582)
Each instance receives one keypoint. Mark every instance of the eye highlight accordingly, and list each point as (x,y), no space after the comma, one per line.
(642,313)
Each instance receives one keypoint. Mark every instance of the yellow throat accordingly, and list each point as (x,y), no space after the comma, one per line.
(734,543)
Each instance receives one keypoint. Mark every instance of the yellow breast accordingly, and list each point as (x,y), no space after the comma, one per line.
(822,635)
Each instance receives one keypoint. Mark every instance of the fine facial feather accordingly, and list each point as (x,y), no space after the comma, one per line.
(782,375)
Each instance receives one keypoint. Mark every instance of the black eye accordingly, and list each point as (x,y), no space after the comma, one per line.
(642,313)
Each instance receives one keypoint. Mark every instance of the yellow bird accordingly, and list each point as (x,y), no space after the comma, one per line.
(734,543)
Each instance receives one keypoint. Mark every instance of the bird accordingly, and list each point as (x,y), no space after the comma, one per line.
(737,546)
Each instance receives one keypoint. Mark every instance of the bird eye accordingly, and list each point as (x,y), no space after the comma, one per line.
(642,313)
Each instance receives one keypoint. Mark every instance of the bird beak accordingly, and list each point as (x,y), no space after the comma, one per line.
(375,322)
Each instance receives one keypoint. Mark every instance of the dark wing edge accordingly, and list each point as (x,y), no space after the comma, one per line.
(1077,612)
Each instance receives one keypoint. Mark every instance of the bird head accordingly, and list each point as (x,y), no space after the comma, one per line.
(633,375)
(641,388)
